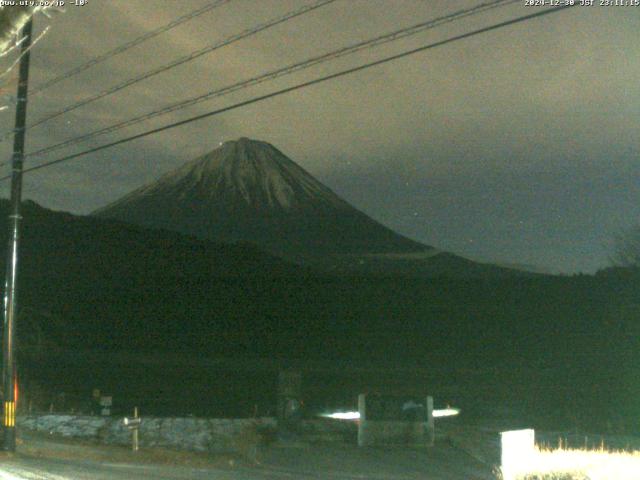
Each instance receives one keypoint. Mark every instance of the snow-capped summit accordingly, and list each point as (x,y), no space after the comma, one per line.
(252,172)
(247,190)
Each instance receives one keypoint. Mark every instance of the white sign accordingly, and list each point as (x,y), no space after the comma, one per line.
(518,452)
(132,422)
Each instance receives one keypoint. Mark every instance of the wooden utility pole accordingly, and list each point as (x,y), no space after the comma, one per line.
(11,287)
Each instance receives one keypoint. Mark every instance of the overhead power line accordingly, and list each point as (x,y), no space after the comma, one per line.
(185,59)
(126,46)
(300,86)
(273,74)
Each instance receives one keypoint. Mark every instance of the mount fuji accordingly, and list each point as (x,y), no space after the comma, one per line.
(249,191)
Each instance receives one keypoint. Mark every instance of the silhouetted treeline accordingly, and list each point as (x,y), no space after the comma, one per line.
(87,284)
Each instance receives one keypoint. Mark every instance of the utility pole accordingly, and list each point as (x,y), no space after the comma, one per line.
(10,291)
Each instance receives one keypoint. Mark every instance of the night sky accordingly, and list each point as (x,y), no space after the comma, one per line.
(516,146)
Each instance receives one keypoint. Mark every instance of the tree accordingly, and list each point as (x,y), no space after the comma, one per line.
(626,252)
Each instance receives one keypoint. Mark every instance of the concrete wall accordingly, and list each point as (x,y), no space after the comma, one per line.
(195,434)
(328,430)
(388,428)
(393,433)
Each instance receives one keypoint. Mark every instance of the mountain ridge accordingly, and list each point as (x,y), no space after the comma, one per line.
(248,190)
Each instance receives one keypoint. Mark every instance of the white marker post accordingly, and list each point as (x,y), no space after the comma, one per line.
(431,424)
(518,452)
(133,424)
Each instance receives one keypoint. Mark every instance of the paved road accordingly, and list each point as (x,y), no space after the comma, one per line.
(394,463)
(40,469)
(327,462)
(42,457)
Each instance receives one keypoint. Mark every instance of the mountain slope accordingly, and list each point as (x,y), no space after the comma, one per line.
(248,190)
(91,282)
(88,285)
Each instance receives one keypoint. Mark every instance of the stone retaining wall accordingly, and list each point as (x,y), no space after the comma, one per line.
(217,435)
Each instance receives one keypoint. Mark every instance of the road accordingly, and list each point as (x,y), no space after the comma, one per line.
(46,457)
(41,469)
(326,462)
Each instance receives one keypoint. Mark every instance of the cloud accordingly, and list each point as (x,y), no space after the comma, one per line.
(467,125)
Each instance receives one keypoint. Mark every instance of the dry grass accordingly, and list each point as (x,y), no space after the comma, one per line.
(579,464)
